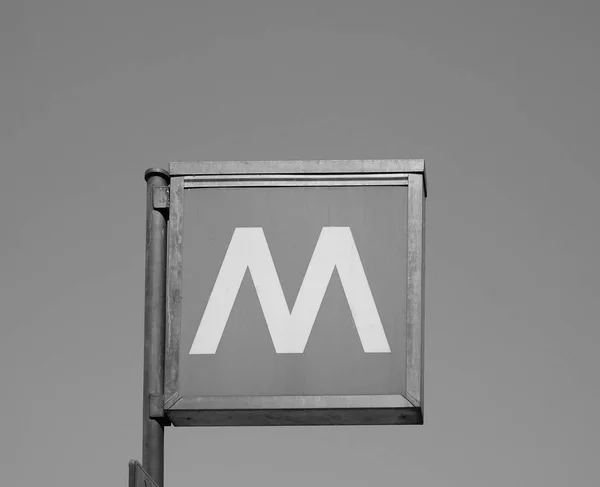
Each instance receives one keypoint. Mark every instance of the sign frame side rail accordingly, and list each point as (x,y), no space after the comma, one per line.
(298,410)
(297,166)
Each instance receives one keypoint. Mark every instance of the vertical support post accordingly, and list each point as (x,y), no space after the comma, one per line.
(415,290)
(153,447)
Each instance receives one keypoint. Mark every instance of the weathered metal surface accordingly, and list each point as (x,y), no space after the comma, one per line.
(154,325)
(138,477)
(157,406)
(297,417)
(292,402)
(287,180)
(175,263)
(299,167)
(415,288)
(161,198)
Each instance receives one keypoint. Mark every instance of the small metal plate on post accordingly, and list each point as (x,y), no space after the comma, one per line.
(160,198)
(156,403)
(138,477)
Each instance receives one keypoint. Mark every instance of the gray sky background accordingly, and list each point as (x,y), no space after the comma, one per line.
(500,98)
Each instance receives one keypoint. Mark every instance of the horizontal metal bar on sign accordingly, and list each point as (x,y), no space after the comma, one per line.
(298,166)
(297,417)
(286,180)
(291,402)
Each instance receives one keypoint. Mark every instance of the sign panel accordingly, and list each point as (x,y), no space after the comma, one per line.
(292,291)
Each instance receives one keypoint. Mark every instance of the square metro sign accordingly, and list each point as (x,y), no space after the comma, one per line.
(295,293)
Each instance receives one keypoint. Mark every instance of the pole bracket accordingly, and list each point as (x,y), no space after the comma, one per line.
(157,406)
(160,198)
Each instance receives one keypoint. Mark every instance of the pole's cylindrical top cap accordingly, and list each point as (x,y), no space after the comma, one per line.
(156,172)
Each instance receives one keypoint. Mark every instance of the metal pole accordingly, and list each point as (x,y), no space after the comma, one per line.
(153,448)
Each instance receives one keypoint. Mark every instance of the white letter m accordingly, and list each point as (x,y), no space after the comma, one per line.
(248,249)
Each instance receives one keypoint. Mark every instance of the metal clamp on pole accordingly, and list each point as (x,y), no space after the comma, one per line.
(160,198)
(153,448)
(157,407)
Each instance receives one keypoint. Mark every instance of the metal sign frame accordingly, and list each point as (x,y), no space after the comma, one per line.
(295,410)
